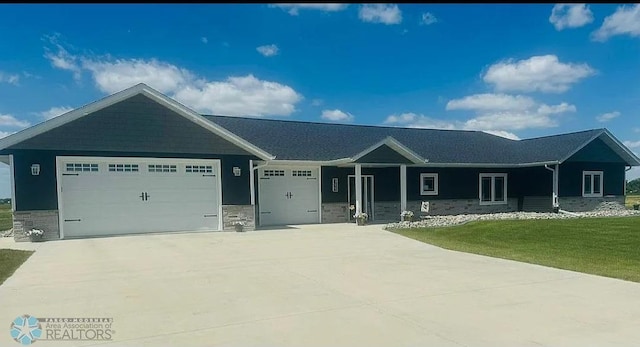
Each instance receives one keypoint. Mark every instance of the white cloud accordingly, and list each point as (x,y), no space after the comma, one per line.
(570,16)
(113,76)
(428,18)
(240,96)
(61,58)
(234,96)
(626,20)
(508,112)
(293,9)
(204,40)
(55,112)
(502,133)
(605,117)
(337,116)
(380,13)
(9,78)
(632,144)
(539,73)
(412,120)
(317,102)
(497,114)
(493,102)
(7,120)
(268,50)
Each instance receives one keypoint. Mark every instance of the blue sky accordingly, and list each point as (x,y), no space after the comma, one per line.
(519,71)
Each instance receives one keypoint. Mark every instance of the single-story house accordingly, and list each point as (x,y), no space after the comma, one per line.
(138,161)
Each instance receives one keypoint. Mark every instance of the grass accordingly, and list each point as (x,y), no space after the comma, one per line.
(600,246)
(6,218)
(10,260)
(631,199)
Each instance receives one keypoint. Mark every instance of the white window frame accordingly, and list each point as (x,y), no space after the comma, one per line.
(493,188)
(435,184)
(593,173)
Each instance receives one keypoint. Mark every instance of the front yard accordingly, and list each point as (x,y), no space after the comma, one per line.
(10,260)
(601,246)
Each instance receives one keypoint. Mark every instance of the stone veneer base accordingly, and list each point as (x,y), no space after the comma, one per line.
(582,204)
(238,213)
(46,220)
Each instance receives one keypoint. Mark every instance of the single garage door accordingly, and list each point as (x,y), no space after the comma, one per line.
(110,196)
(288,195)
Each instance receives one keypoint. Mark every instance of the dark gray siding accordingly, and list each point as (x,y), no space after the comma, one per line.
(453,183)
(35,192)
(570,179)
(40,193)
(596,151)
(384,154)
(136,124)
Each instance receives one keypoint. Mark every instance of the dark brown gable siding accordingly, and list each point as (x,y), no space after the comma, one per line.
(137,124)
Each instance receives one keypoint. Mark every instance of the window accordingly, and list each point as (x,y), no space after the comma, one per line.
(199,168)
(493,188)
(592,184)
(82,167)
(301,173)
(162,168)
(428,184)
(273,173)
(123,167)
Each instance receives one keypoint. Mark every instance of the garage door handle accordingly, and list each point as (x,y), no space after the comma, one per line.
(312,210)
(311,178)
(265,212)
(64,174)
(265,178)
(208,175)
(72,220)
(210,215)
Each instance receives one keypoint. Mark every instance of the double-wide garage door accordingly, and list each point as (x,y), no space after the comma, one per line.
(110,196)
(288,195)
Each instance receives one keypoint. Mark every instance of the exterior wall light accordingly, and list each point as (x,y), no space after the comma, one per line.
(236,171)
(35,169)
(334,184)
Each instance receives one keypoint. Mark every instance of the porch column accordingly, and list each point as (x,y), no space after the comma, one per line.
(403,188)
(556,172)
(358,189)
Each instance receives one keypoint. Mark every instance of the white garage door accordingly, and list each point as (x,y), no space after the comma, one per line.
(109,196)
(288,196)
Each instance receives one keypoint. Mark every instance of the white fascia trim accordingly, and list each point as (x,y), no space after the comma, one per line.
(107,101)
(396,146)
(488,165)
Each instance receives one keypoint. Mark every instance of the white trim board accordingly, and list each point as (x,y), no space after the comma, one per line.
(143,89)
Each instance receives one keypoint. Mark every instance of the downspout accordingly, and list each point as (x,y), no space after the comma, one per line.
(624,189)
(554,195)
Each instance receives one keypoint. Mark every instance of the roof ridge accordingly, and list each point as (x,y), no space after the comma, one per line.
(564,134)
(342,124)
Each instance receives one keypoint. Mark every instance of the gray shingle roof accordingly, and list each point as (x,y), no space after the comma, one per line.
(295,140)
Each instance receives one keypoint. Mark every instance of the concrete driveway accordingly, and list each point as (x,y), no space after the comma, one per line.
(320,285)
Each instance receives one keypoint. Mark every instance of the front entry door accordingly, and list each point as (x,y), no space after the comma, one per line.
(367,195)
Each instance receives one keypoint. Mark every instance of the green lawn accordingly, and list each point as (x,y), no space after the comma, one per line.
(10,260)
(6,219)
(601,246)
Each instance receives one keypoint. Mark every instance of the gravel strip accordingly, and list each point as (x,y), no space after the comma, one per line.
(444,221)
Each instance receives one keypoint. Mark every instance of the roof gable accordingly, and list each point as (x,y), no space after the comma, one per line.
(116,98)
(596,151)
(384,154)
(136,124)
